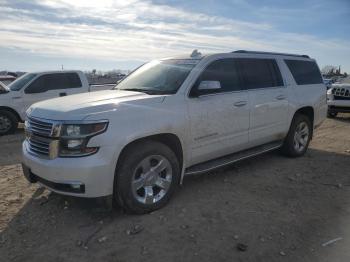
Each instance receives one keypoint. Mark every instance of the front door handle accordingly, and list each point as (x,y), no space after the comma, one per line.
(281,97)
(240,103)
(63,94)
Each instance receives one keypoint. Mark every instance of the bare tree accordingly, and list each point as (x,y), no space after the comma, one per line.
(328,70)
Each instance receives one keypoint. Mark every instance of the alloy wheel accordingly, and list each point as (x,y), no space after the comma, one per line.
(301,136)
(151,179)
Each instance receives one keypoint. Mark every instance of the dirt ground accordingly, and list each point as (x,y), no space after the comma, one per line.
(282,209)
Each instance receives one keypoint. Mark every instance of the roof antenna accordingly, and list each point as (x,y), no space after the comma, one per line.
(195,53)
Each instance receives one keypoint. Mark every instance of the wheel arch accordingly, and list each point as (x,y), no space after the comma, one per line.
(169,139)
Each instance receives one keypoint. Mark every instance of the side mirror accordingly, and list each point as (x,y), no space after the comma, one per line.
(209,85)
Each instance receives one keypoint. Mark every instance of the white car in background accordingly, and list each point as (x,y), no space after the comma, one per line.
(170,118)
(34,87)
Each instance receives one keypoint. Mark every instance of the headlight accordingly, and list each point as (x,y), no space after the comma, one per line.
(75,137)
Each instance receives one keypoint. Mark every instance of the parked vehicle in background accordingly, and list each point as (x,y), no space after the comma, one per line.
(170,118)
(338,99)
(7,79)
(34,87)
(328,82)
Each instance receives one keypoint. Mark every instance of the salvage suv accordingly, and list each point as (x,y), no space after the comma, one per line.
(170,118)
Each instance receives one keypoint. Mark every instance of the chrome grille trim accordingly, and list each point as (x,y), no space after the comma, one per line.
(39,136)
(39,145)
(39,127)
(341,92)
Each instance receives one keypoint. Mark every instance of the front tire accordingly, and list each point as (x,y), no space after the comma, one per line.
(8,123)
(147,176)
(299,136)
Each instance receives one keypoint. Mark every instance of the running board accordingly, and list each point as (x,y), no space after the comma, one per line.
(232,158)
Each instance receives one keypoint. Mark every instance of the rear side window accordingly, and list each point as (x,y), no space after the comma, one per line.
(304,72)
(260,73)
(53,82)
(72,80)
(223,70)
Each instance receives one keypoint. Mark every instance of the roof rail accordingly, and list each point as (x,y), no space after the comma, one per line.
(268,53)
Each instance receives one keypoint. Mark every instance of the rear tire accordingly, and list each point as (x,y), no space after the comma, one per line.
(8,122)
(299,136)
(147,176)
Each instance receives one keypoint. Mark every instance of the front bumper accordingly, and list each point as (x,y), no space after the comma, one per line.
(91,176)
(68,187)
(338,106)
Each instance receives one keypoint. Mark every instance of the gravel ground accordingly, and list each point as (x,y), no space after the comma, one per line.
(271,207)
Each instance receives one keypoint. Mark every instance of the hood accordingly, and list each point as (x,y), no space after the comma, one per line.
(80,106)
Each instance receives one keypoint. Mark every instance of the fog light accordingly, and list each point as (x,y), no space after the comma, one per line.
(73,143)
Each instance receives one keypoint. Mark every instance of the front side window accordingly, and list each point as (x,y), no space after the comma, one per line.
(39,85)
(21,81)
(260,73)
(158,77)
(224,71)
(304,72)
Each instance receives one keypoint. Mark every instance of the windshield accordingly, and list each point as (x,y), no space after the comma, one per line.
(158,77)
(21,82)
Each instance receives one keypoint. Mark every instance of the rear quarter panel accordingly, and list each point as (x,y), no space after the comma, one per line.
(314,95)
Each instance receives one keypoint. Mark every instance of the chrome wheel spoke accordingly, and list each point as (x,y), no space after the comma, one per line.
(160,166)
(139,183)
(303,141)
(149,197)
(304,131)
(163,183)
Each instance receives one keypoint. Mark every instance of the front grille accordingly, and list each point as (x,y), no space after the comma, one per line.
(39,127)
(38,136)
(341,93)
(39,145)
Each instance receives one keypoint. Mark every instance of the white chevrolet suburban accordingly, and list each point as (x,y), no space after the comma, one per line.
(34,87)
(338,99)
(170,118)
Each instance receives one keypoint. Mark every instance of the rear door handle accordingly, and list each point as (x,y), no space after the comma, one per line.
(281,97)
(63,94)
(240,103)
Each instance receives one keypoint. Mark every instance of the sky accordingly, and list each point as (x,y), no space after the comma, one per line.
(106,34)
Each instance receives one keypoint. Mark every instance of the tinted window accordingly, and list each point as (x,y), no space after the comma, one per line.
(53,82)
(22,81)
(225,71)
(72,80)
(260,73)
(304,72)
